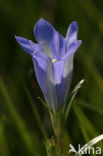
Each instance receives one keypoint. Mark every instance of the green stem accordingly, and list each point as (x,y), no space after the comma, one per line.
(58,131)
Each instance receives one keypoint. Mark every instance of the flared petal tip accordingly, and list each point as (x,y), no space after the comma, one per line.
(74,25)
(73,28)
(38,23)
(43,31)
(17,38)
(80,42)
(27,45)
(41,20)
(20,39)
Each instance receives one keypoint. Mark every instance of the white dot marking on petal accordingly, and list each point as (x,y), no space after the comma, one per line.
(54,60)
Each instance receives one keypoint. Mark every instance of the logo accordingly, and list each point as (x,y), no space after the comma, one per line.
(85,150)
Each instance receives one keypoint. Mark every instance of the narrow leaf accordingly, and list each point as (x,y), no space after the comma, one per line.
(74,92)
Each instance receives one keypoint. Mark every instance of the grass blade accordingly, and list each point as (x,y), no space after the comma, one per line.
(17,119)
(35,111)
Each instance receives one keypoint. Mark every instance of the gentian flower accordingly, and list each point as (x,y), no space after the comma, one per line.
(53,60)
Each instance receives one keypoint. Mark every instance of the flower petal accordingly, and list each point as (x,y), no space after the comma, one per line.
(49,39)
(27,45)
(68,71)
(59,81)
(72,33)
(45,76)
(59,43)
(73,47)
(63,75)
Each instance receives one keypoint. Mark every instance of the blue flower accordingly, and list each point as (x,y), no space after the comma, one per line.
(52,59)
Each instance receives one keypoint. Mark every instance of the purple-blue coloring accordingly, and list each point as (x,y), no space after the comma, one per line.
(52,57)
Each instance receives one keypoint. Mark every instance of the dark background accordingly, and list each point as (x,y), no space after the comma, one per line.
(22,116)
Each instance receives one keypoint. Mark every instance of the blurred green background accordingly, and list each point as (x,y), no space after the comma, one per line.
(23,119)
